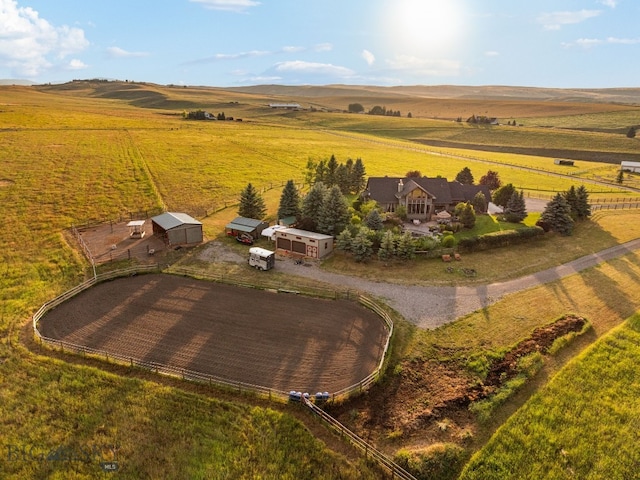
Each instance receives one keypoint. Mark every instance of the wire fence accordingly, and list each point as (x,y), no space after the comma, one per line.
(395,470)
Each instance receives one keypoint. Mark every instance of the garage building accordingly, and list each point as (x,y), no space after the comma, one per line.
(302,242)
(177,228)
(251,226)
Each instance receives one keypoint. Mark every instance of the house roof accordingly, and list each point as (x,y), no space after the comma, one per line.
(303,233)
(244,224)
(386,189)
(169,220)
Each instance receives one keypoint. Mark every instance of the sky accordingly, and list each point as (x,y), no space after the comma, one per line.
(227,43)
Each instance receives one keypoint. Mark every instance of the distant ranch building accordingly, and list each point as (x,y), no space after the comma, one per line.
(304,243)
(286,106)
(177,229)
(630,167)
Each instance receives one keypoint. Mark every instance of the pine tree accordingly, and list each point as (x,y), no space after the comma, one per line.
(557,216)
(330,178)
(406,247)
(374,220)
(583,207)
(344,240)
(466,215)
(289,201)
(358,176)
(572,199)
(465,176)
(312,206)
(251,204)
(388,246)
(516,209)
(361,246)
(334,215)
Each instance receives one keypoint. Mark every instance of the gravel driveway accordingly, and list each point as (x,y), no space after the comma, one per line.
(431,307)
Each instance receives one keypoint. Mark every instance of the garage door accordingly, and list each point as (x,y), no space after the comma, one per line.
(284,243)
(299,247)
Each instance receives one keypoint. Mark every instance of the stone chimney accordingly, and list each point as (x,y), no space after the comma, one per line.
(400,186)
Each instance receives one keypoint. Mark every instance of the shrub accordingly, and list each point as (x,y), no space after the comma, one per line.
(442,461)
(499,239)
(448,241)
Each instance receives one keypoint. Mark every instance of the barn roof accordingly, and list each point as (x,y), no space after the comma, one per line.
(244,224)
(169,220)
(302,233)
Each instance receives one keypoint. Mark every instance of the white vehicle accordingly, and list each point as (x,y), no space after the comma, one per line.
(261,258)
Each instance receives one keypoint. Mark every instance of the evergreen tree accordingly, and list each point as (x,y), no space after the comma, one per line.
(466,214)
(321,172)
(310,172)
(479,202)
(406,247)
(289,201)
(251,204)
(334,215)
(557,216)
(491,180)
(516,209)
(342,179)
(503,194)
(631,133)
(583,207)
(572,199)
(361,246)
(374,220)
(465,176)
(312,206)
(344,240)
(388,246)
(358,176)
(620,177)
(330,178)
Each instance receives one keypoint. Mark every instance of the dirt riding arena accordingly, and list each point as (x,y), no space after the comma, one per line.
(281,341)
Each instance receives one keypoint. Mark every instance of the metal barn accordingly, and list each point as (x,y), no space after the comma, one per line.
(302,242)
(177,228)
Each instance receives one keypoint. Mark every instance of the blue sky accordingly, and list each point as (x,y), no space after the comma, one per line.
(543,43)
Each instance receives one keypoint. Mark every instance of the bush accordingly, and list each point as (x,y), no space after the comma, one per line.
(442,461)
(448,241)
(499,239)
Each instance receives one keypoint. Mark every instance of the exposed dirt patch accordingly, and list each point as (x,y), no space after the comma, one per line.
(5,182)
(427,400)
(589,156)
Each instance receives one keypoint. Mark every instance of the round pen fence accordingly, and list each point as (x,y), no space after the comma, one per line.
(192,375)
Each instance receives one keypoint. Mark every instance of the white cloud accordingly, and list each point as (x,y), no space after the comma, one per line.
(292,49)
(368,57)
(117,52)
(425,67)
(323,47)
(76,64)
(238,6)
(30,44)
(556,20)
(491,53)
(594,42)
(609,3)
(300,66)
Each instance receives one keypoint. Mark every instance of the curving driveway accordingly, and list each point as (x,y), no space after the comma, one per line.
(429,307)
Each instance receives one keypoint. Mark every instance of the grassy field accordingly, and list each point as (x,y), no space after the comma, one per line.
(81,153)
(597,393)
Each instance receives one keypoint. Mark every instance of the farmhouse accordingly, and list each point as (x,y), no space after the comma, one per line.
(302,242)
(177,228)
(626,166)
(423,197)
(250,226)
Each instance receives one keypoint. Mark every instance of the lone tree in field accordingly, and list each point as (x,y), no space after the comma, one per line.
(516,209)
(491,180)
(503,194)
(333,215)
(289,201)
(251,204)
(557,216)
(631,133)
(620,177)
(356,108)
(465,176)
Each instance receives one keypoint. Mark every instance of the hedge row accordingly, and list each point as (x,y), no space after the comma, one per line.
(499,239)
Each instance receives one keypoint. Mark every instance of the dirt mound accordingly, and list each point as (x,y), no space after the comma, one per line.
(429,399)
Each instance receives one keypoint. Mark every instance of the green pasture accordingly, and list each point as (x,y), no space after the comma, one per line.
(583,424)
(82,155)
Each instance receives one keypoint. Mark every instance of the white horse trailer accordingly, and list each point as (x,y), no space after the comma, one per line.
(261,258)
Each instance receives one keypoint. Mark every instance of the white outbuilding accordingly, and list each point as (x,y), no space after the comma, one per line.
(304,243)
(177,228)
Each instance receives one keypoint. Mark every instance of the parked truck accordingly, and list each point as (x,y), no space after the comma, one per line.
(261,258)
